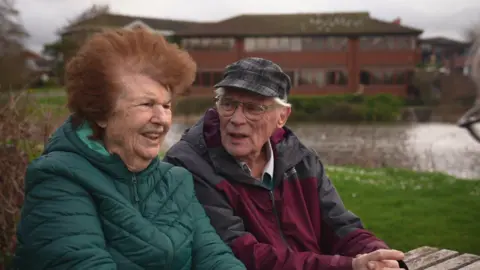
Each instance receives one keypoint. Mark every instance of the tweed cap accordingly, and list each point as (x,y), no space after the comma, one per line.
(257,75)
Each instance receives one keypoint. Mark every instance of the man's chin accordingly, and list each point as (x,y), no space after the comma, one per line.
(237,152)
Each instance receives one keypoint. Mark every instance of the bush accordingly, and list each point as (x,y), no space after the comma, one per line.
(331,108)
(17,148)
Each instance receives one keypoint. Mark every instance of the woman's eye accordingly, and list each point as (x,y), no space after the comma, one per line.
(167,106)
(148,104)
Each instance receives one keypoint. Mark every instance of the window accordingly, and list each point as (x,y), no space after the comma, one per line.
(284,44)
(305,77)
(310,43)
(273,44)
(249,44)
(194,44)
(295,44)
(388,43)
(373,43)
(382,76)
(336,77)
(336,43)
(322,77)
(261,44)
(217,77)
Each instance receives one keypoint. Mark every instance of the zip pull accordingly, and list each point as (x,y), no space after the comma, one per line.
(135,191)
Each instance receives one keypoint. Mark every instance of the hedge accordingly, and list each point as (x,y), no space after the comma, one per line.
(328,108)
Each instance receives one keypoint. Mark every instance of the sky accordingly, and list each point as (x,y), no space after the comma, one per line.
(449,18)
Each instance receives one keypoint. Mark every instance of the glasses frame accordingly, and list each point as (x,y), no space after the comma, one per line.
(236,103)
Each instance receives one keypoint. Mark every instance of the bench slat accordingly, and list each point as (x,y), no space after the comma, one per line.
(455,262)
(431,259)
(418,252)
(473,266)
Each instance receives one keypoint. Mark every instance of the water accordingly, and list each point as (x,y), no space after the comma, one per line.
(424,147)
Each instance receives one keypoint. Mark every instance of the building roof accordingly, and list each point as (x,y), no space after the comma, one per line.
(443,41)
(117,20)
(353,23)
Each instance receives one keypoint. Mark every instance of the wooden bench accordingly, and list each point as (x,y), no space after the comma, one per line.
(429,258)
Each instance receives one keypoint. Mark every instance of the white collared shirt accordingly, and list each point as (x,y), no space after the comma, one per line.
(268,170)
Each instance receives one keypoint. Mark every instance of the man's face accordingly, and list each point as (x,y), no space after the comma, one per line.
(246,129)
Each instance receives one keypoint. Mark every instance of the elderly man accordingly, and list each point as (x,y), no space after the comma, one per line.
(266,193)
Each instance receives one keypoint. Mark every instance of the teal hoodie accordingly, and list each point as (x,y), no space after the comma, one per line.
(85,210)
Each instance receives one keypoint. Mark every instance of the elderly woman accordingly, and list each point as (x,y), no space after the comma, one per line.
(471,119)
(99,197)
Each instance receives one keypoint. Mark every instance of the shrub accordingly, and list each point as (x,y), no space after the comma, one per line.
(17,148)
(330,108)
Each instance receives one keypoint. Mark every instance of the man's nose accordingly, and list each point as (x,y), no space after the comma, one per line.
(238,116)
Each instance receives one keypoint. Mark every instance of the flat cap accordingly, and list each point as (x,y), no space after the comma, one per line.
(257,75)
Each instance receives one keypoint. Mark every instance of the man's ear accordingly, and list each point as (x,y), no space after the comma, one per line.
(284,114)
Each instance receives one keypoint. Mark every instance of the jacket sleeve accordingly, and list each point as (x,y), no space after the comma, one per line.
(59,226)
(209,251)
(342,231)
(252,252)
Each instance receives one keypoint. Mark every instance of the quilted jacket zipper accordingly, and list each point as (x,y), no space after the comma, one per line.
(272,198)
(135,189)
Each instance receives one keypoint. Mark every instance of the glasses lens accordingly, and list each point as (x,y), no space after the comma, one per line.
(253,109)
(227,106)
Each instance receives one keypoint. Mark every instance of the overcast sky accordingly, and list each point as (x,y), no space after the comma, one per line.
(436,17)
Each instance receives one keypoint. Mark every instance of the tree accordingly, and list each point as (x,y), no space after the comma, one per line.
(89,13)
(56,50)
(12,37)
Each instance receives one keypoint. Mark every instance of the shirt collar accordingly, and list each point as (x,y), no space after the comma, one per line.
(268,170)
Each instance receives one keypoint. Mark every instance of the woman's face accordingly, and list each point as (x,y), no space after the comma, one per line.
(136,128)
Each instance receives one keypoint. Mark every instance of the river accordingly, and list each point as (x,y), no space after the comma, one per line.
(424,147)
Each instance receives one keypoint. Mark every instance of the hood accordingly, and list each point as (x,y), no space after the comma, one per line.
(205,139)
(76,142)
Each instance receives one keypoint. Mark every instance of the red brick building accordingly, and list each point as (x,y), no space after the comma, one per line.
(330,53)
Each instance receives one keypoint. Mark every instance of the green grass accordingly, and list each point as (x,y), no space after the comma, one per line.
(46,90)
(410,209)
(52,100)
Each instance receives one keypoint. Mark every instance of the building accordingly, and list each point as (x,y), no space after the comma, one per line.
(77,33)
(39,68)
(331,53)
(441,52)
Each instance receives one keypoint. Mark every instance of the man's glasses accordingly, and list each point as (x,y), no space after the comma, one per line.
(252,111)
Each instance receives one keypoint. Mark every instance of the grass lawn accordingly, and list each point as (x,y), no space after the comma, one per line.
(410,209)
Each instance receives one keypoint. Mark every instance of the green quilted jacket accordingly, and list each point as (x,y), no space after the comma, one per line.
(84,210)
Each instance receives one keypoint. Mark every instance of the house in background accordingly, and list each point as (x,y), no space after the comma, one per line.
(447,54)
(39,68)
(330,53)
(76,34)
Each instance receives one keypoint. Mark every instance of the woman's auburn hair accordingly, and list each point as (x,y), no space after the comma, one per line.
(93,79)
